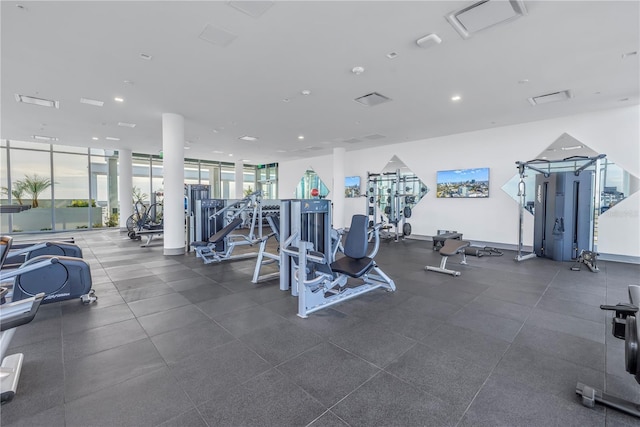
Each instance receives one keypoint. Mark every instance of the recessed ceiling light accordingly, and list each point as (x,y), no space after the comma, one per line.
(573,147)
(300,136)
(248,138)
(246,160)
(126,125)
(146,57)
(392,55)
(456,98)
(118,99)
(93,102)
(216,131)
(37,101)
(357,70)
(44,138)
(306,92)
(230,154)
(112,138)
(523,81)
(95,138)
(281,151)
(218,152)
(186,147)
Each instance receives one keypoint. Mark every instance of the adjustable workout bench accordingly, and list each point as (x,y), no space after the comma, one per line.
(451,247)
(148,232)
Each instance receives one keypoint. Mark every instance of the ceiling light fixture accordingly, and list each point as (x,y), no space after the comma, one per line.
(129,82)
(37,101)
(218,152)
(230,154)
(456,98)
(126,125)
(428,41)
(93,102)
(112,138)
(357,70)
(44,138)
(95,138)
(248,138)
(300,136)
(573,147)
(118,99)
(306,92)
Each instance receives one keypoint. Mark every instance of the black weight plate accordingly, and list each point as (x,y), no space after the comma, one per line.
(631,353)
(387,210)
(407,212)
(406,229)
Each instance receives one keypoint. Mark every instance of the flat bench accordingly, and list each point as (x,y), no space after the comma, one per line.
(451,247)
(439,239)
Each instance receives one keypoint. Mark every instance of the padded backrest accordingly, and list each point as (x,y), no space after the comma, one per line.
(355,246)
(274,223)
(5,246)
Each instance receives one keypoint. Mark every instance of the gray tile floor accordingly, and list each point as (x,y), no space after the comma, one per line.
(174,342)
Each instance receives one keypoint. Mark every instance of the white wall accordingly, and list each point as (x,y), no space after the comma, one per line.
(613,132)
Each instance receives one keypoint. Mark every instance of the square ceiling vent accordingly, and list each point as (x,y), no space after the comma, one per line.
(217,36)
(551,97)
(484,14)
(372,99)
(252,8)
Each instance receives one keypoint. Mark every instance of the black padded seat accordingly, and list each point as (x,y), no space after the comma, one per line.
(452,247)
(352,267)
(225,231)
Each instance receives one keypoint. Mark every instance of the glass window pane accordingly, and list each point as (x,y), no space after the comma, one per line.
(70,149)
(141,179)
(30,145)
(4,193)
(72,204)
(34,169)
(191,172)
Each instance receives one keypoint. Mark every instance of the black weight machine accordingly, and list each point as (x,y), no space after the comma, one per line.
(218,218)
(565,205)
(624,327)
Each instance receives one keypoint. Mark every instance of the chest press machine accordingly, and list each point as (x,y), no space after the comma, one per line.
(315,278)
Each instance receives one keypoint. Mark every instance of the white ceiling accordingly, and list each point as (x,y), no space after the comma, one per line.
(68,50)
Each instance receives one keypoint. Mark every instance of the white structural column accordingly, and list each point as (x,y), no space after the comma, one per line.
(337,195)
(125,188)
(239,181)
(173,173)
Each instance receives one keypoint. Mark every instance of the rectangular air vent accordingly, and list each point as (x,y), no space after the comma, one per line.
(93,102)
(352,140)
(37,101)
(484,14)
(372,99)
(44,138)
(550,97)
(217,36)
(126,125)
(374,136)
